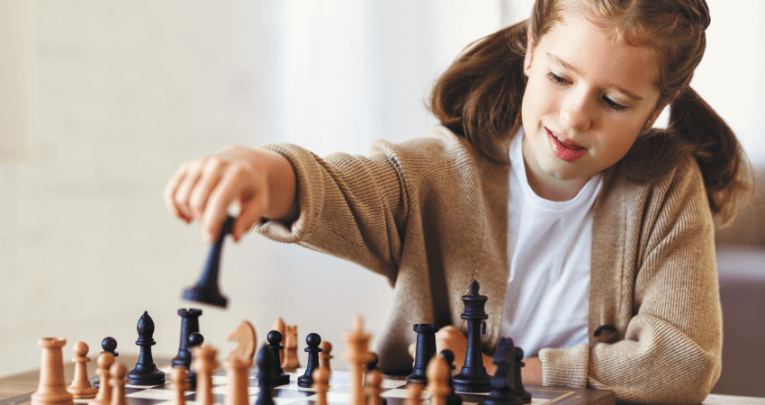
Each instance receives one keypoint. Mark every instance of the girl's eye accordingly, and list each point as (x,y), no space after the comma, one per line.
(556,79)
(613,105)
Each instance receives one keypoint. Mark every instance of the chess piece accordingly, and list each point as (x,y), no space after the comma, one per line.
(325,356)
(473,376)
(290,348)
(109,344)
(280,327)
(245,337)
(321,384)
(117,381)
(52,387)
(519,389)
(438,380)
(372,365)
(104,396)
(453,398)
(206,290)
(145,371)
(189,325)
(503,383)
(203,364)
(195,339)
(81,387)
(265,396)
(278,376)
(414,394)
(179,377)
(312,341)
(426,349)
(374,387)
(357,355)
(237,392)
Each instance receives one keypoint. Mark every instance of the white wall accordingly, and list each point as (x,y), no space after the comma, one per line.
(124,92)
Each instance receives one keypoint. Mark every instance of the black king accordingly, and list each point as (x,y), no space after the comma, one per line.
(473,376)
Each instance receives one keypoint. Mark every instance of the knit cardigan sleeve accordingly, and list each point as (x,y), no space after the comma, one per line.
(668,343)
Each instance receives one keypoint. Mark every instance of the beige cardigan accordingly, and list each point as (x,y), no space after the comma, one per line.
(431,215)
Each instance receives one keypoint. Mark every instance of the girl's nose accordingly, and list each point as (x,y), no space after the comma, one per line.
(576,112)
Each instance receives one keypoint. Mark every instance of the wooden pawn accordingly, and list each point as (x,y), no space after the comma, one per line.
(374,387)
(204,363)
(438,380)
(178,376)
(237,392)
(321,378)
(414,394)
(81,387)
(104,396)
(118,372)
(324,355)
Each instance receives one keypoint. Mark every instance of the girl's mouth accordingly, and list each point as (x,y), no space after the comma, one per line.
(568,152)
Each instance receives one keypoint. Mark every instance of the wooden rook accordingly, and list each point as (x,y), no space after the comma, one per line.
(52,388)
(357,355)
(81,387)
(473,376)
(204,363)
(438,380)
(117,381)
(321,378)
(104,396)
(180,385)
(325,356)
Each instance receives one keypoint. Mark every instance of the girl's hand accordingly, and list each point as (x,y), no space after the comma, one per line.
(449,337)
(261,182)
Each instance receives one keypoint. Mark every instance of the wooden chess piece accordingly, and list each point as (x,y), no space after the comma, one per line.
(117,381)
(291,360)
(280,327)
(438,380)
(414,394)
(321,384)
(203,363)
(245,337)
(52,388)
(238,381)
(178,376)
(104,396)
(374,387)
(357,355)
(81,387)
(325,356)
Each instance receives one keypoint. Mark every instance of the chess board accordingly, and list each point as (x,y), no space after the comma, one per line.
(395,393)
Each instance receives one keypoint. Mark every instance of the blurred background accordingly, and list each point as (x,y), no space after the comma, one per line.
(101,101)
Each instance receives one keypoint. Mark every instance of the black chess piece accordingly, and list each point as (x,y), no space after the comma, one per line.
(263,359)
(195,339)
(189,325)
(503,384)
(145,371)
(278,376)
(473,376)
(426,349)
(313,341)
(519,389)
(372,365)
(452,398)
(207,291)
(109,344)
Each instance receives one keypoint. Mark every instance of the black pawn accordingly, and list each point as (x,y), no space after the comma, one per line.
(207,291)
(278,376)
(519,389)
(313,341)
(372,365)
(109,344)
(504,382)
(145,371)
(189,325)
(195,339)
(426,349)
(263,359)
(473,376)
(453,398)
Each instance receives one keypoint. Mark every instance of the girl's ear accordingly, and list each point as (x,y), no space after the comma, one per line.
(529,53)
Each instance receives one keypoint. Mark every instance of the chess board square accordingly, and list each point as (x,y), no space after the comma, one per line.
(155,394)
(221,389)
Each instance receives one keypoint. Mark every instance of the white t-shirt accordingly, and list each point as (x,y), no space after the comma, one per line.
(549,245)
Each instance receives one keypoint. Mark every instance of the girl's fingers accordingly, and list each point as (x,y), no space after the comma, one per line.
(232,185)
(170,189)
(212,172)
(183,192)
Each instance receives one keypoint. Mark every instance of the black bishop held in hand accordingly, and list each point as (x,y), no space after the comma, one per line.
(145,372)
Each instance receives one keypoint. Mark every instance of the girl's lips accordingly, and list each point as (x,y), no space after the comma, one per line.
(566,142)
(568,153)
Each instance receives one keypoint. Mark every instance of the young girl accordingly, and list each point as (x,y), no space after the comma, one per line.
(591,231)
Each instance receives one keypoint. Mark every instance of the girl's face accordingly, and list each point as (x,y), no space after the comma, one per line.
(588,97)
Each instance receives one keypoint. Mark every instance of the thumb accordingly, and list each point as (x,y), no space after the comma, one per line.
(251,214)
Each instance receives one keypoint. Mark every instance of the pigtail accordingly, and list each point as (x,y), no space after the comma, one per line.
(726,171)
(479,96)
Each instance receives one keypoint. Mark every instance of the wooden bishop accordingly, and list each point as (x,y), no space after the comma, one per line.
(438,380)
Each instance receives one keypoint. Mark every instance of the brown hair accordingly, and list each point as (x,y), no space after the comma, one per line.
(479,96)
